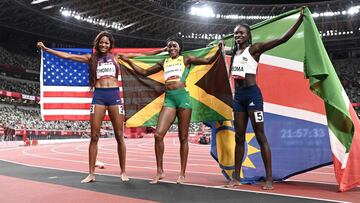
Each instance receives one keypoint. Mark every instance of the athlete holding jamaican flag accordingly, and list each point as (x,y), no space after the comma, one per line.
(177,100)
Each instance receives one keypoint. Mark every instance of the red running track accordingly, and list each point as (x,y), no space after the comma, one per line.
(202,169)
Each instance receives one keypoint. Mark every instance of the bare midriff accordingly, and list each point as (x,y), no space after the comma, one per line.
(107,82)
(249,80)
(173,85)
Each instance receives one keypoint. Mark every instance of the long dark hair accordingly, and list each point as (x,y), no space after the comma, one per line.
(235,48)
(95,55)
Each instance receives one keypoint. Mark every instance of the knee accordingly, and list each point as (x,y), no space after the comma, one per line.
(159,137)
(239,139)
(119,134)
(119,139)
(94,138)
(183,139)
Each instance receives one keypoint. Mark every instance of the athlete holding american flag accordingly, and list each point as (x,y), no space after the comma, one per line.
(104,72)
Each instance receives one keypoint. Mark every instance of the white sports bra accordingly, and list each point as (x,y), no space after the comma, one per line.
(243,63)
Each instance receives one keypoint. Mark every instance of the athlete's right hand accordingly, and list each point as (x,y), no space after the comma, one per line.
(221,44)
(40,45)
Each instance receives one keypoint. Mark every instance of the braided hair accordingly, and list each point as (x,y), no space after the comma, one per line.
(235,48)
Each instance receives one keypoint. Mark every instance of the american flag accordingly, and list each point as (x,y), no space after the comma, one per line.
(64,87)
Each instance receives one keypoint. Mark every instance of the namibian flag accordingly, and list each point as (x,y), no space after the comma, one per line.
(309,120)
(208,86)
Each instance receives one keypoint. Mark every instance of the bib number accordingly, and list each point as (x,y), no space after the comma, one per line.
(121,109)
(259,116)
(92,109)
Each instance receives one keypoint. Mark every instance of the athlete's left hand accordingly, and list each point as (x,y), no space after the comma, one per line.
(123,57)
(302,11)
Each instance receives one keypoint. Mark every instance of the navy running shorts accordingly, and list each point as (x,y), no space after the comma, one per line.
(106,96)
(248,98)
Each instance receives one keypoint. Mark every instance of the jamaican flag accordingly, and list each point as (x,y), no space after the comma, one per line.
(208,86)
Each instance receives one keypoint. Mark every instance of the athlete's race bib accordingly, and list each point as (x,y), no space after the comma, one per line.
(173,72)
(237,68)
(106,69)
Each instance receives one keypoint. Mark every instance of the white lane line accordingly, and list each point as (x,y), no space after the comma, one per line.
(140,154)
(128,166)
(127,159)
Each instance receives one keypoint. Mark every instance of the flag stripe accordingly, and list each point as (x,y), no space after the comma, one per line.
(71,117)
(72,94)
(69,88)
(295,113)
(282,62)
(338,150)
(66,100)
(66,106)
(69,94)
(66,111)
(49,88)
(66,117)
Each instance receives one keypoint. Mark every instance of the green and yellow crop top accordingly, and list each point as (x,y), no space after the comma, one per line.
(175,70)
